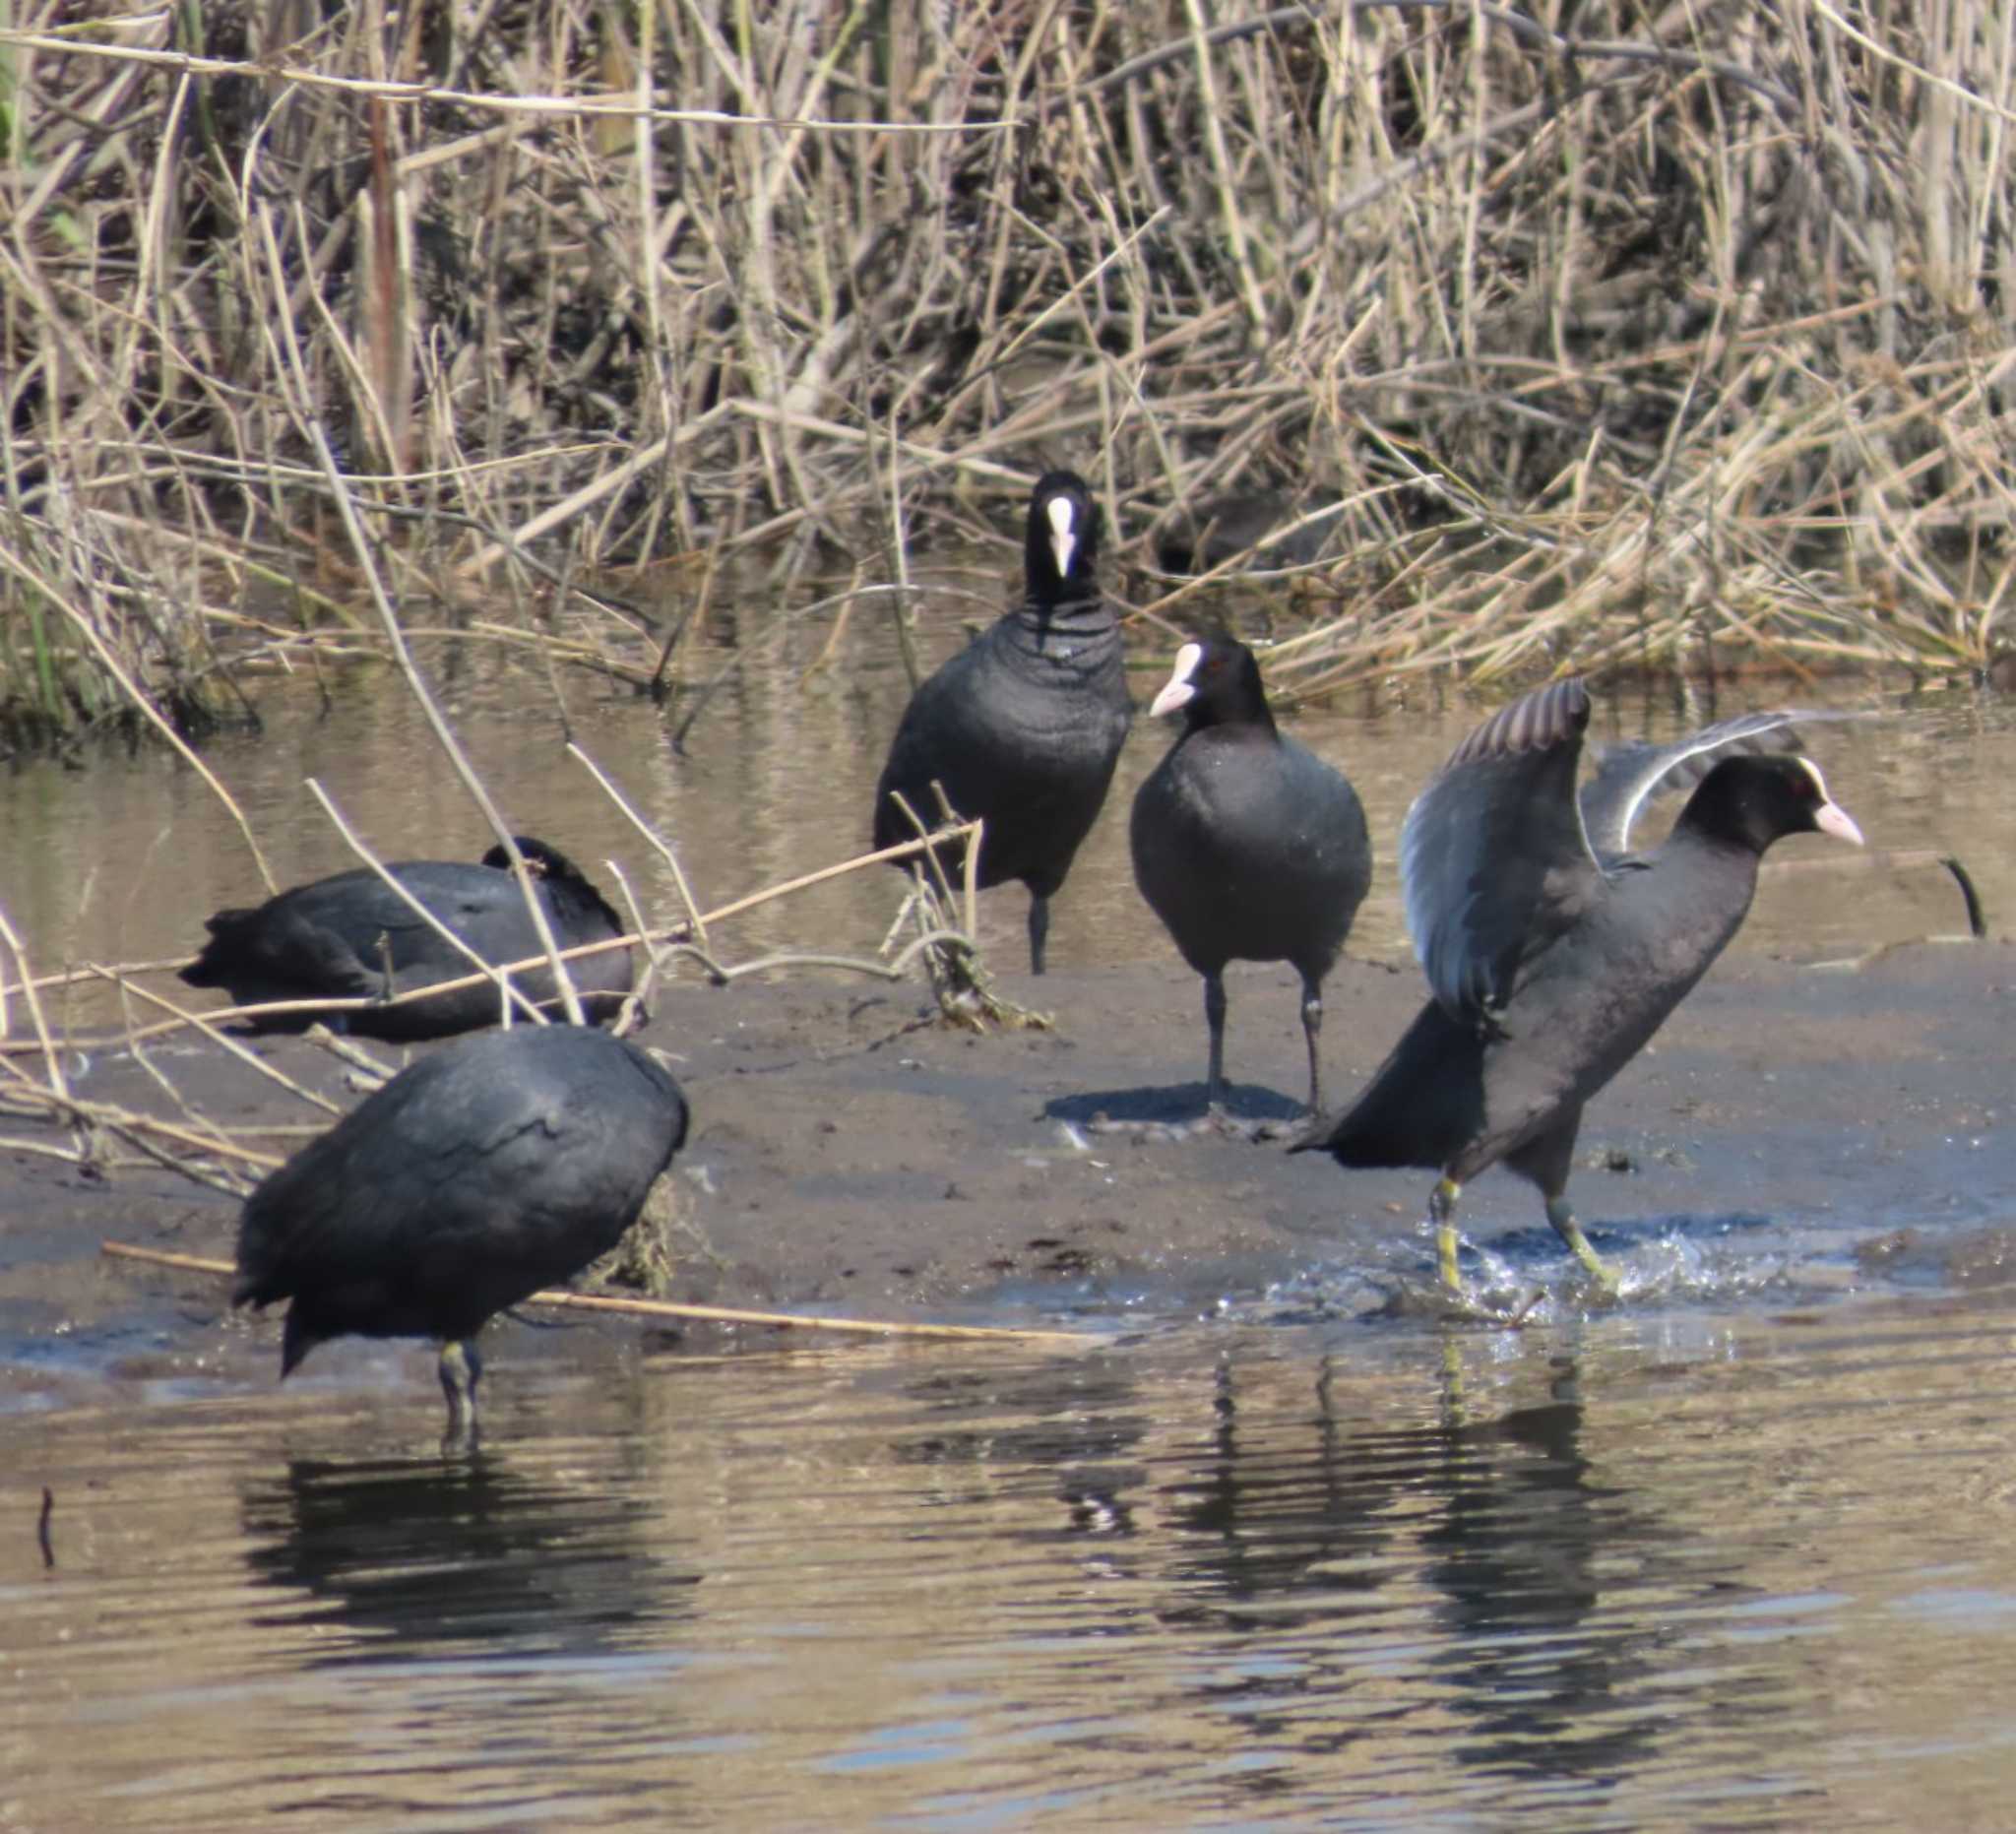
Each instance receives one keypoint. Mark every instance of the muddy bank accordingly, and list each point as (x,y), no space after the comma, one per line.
(847,1154)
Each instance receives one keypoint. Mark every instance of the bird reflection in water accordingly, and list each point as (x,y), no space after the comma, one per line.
(468,1550)
(1317,1549)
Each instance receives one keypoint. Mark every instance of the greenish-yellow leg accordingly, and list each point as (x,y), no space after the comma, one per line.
(1571,1232)
(1442,1211)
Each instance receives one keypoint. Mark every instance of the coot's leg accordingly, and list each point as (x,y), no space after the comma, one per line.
(1039,929)
(1214,1024)
(461,1370)
(1546,1160)
(1313,1027)
(1442,1213)
(1563,1217)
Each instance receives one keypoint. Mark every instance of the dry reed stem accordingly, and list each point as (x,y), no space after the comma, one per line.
(182,64)
(667,1308)
(658,842)
(206,1024)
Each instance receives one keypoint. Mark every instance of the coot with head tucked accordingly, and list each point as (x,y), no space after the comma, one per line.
(500,1165)
(352,937)
(1247,845)
(1022,728)
(1552,950)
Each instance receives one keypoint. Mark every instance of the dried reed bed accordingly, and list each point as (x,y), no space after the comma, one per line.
(1683,334)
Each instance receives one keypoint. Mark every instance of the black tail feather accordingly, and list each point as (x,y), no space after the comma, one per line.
(1424,1104)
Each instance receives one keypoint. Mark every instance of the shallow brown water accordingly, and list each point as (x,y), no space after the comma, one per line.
(1738,1554)
(1714,1570)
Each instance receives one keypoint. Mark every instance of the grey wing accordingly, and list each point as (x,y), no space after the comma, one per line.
(1628,776)
(1493,862)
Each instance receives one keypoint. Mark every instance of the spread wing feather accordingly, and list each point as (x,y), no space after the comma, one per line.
(1629,776)
(1494,859)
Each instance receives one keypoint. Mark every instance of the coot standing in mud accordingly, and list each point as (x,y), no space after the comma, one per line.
(1022,728)
(1246,844)
(352,937)
(495,1166)
(1553,952)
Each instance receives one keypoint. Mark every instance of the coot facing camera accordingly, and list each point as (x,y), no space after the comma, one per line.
(1246,844)
(1022,728)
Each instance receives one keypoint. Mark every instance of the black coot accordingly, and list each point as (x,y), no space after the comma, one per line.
(1555,953)
(352,937)
(1247,845)
(495,1166)
(1023,727)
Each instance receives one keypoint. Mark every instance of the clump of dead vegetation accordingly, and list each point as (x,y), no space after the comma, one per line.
(1667,332)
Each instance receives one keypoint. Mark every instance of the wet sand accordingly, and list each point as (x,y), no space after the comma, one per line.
(850,1155)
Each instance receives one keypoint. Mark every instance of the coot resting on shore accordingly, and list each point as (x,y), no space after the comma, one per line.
(352,937)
